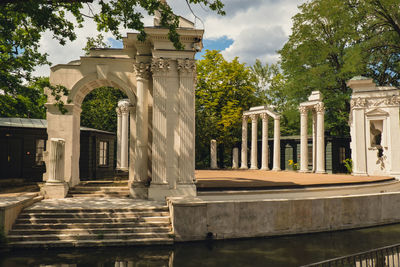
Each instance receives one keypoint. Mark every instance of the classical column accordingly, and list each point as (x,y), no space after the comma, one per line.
(244,164)
(314,140)
(142,122)
(213,154)
(160,68)
(264,152)
(56,160)
(124,106)
(187,84)
(303,140)
(277,144)
(253,163)
(235,158)
(320,109)
(119,121)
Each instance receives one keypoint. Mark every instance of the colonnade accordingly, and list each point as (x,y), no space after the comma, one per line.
(123,109)
(316,106)
(254,113)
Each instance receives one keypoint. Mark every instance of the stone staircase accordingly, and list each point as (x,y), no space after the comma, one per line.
(48,226)
(103,188)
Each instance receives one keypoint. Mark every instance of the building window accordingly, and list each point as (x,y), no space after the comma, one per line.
(342,154)
(103,153)
(40,148)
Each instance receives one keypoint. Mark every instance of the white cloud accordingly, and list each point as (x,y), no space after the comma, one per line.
(258,29)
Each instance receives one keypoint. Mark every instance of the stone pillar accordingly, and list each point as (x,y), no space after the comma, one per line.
(264,152)
(244,164)
(119,122)
(303,140)
(124,106)
(314,141)
(160,68)
(56,187)
(253,163)
(235,158)
(320,109)
(213,154)
(141,173)
(277,144)
(186,163)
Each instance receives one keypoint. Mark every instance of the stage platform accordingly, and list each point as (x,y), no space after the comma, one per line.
(210,180)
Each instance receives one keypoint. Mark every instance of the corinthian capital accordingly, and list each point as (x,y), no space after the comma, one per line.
(142,70)
(253,117)
(320,108)
(303,110)
(186,65)
(160,65)
(264,116)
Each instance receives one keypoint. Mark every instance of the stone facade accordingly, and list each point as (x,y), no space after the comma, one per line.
(159,82)
(374,128)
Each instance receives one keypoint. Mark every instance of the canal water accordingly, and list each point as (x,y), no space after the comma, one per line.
(277,251)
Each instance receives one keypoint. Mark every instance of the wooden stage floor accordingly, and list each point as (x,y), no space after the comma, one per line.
(256,179)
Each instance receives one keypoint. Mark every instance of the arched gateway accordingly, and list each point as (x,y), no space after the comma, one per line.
(159,82)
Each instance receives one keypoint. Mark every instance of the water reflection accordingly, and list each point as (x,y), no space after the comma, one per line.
(279,251)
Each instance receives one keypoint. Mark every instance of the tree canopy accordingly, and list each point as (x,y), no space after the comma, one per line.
(224,90)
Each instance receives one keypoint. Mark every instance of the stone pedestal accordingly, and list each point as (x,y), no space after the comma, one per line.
(235,158)
(55,186)
(213,154)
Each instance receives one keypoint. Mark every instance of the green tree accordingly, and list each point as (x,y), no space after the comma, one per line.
(26,101)
(98,109)
(22,24)
(224,90)
(335,40)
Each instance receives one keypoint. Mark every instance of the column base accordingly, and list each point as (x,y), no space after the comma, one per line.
(139,190)
(55,189)
(276,169)
(253,168)
(244,168)
(161,191)
(264,169)
(321,172)
(304,171)
(359,174)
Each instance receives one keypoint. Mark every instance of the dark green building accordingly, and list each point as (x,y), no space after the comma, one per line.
(23,141)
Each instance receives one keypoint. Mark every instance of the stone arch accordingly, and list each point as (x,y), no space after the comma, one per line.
(90,82)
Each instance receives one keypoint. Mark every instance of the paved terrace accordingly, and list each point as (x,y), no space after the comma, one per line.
(257,179)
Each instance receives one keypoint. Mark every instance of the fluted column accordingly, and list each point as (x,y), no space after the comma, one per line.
(160,68)
(119,121)
(253,163)
(142,120)
(320,109)
(303,140)
(187,84)
(277,144)
(264,152)
(124,106)
(244,163)
(56,160)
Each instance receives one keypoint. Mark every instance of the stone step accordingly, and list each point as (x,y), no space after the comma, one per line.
(103,183)
(94,215)
(99,195)
(93,243)
(98,210)
(99,189)
(79,231)
(151,219)
(90,236)
(90,225)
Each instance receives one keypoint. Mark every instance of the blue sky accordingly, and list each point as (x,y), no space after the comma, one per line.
(250,30)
